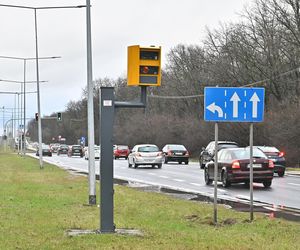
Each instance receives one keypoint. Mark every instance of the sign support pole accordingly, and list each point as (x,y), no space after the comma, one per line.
(251,171)
(106,160)
(216,174)
(108,106)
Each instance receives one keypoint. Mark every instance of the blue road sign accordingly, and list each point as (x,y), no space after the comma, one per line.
(234,104)
(82,140)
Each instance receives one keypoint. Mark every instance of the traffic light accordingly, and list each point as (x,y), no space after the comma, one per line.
(36,116)
(144,66)
(59,117)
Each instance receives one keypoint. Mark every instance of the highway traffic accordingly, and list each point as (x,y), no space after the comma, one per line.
(190,178)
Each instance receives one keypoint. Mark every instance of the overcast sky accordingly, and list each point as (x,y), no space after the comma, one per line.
(116,24)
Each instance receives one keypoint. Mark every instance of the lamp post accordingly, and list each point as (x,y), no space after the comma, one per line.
(3,108)
(23,83)
(91,135)
(16,109)
(37,65)
(25,59)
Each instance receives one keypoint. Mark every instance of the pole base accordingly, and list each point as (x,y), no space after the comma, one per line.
(123,231)
(92,199)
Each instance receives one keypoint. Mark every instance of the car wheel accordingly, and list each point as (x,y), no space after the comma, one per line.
(281,173)
(208,181)
(135,165)
(166,160)
(225,181)
(186,162)
(201,163)
(159,165)
(180,162)
(129,165)
(267,184)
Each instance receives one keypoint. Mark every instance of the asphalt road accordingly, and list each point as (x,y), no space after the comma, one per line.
(284,192)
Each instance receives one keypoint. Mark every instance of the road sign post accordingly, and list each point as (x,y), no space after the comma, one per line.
(233,105)
(216,174)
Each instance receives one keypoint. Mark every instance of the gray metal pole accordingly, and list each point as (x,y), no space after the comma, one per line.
(106,160)
(21,119)
(90,120)
(216,175)
(251,171)
(18,124)
(38,92)
(3,119)
(24,148)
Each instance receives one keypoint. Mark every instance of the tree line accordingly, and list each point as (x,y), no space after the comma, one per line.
(261,50)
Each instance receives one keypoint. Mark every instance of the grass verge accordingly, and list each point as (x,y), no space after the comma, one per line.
(38,206)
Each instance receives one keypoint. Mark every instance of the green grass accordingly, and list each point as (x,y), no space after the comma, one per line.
(38,206)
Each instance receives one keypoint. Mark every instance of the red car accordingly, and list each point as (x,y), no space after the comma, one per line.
(121,151)
(234,167)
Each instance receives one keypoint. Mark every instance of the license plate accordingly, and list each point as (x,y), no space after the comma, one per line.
(255,165)
(178,153)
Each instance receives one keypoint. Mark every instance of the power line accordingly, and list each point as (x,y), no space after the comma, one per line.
(246,85)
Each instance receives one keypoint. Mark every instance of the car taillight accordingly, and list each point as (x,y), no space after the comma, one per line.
(169,152)
(281,154)
(159,154)
(271,164)
(187,153)
(235,165)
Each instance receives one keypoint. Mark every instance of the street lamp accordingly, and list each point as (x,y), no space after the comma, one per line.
(25,59)
(24,125)
(91,136)
(15,117)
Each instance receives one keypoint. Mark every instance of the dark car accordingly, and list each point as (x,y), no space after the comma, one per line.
(176,152)
(46,151)
(75,150)
(208,153)
(121,151)
(63,149)
(234,167)
(277,157)
(54,147)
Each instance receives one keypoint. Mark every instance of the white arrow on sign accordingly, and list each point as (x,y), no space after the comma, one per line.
(235,99)
(213,108)
(254,99)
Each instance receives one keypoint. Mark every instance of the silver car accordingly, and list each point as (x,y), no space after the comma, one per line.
(97,152)
(145,154)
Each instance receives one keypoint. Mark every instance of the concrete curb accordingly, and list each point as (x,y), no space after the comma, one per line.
(293,173)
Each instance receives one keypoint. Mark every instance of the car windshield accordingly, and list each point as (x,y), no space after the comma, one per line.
(177,147)
(148,149)
(227,145)
(269,149)
(76,147)
(245,153)
(122,147)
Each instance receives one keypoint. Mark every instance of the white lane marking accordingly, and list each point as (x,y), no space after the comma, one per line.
(294,184)
(195,184)
(162,176)
(151,173)
(179,180)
